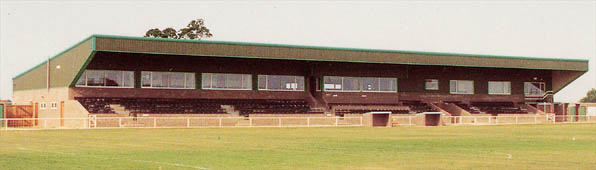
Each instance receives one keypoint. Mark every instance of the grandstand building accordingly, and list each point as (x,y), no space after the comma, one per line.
(132,76)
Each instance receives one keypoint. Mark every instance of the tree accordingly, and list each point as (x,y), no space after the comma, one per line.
(590,97)
(195,29)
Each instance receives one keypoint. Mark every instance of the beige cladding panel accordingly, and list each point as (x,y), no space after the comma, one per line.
(70,62)
(212,49)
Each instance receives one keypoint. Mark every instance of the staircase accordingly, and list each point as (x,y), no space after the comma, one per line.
(230,110)
(120,110)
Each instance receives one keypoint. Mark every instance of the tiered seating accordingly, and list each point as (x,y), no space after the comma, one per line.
(183,106)
(270,106)
(96,105)
(467,107)
(150,105)
(499,108)
(418,106)
(171,106)
(360,109)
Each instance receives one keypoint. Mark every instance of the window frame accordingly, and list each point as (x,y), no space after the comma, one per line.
(431,81)
(361,85)
(168,83)
(42,106)
(540,83)
(54,105)
(267,83)
(242,82)
(456,85)
(105,74)
(488,87)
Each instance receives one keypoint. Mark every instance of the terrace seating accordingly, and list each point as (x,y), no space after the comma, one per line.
(467,107)
(342,109)
(418,106)
(256,106)
(96,105)
(192,106)
(499,108)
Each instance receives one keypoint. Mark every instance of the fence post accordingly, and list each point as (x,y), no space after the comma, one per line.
(154,122)
(475,120)
(188,122)
(496,120)
(336,121)
(489,119)
(409,120)
(250,121)
(535,119)
(219,121)
(362,121)
(280,122)
(308,121)
(516,119)
(120,122)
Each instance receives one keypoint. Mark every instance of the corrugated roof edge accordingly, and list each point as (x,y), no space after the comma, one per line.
(334,48)
(53,57)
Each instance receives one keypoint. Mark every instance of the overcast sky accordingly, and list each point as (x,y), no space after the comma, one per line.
(33,30)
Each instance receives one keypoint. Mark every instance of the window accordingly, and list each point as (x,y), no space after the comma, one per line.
(461,87)
(360,84)
(226,81)
(431,84)
(499,87)
(42,105)
(53,105)
(283,83)
(169,80)
(332,83)
(106,78)
(534,88)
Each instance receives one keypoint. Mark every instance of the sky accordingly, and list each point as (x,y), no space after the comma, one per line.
(31,31)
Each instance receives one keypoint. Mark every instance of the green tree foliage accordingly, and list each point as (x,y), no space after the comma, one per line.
(196,29)
(590,97)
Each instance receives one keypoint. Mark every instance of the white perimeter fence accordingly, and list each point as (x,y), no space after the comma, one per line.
(499,120)
(177,122)
(226,122)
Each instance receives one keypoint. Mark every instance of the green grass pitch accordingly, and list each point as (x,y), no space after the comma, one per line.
(569,146)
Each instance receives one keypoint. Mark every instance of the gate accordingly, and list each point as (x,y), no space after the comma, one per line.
(19,111)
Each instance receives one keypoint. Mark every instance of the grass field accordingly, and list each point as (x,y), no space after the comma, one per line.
(465,147)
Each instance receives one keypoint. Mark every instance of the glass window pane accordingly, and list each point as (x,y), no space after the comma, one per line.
(299,83)
(128,79)
(332,83)
(159,79)
(219,81)
(499,87)
(95,78)
(113,78)
(176,80)
(274,82)
(247,81)
(206,80)
(431,84)
(82,80)
(262,82)
(388,84)
(370,84)
(288,82)
(146,79)
(190,80)
(452,85)
(234,81)
(351,84)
